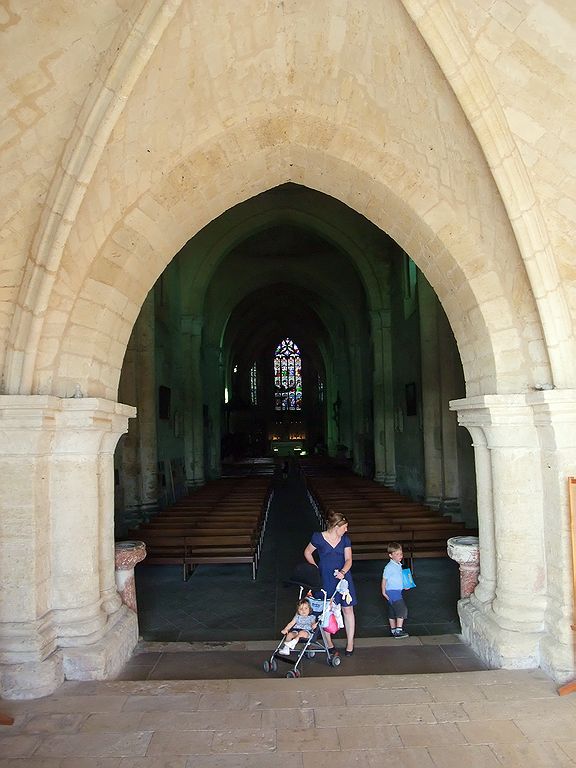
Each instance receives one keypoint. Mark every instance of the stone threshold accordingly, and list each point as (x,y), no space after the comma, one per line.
(145,646)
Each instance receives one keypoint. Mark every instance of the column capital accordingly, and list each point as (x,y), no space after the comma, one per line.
(40,423)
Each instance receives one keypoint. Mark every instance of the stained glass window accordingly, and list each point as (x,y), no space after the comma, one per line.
(287,377)
(254,385)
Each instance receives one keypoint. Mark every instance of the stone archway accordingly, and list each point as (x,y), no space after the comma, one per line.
(313,110)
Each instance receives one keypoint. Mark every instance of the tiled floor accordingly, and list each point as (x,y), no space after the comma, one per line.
(483,719)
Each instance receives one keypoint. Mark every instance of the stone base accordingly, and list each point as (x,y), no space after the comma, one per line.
(32,680)
(499,648)
(104,659)
(558,659)
(385,478)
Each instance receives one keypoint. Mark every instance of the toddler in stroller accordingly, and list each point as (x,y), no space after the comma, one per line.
(304,626)
(300,628)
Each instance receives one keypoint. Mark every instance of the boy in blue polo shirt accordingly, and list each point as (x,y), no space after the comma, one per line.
(392,590)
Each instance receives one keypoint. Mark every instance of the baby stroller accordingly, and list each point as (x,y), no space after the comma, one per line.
(307,578)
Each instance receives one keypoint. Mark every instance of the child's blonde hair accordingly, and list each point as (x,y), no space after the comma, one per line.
(393,546)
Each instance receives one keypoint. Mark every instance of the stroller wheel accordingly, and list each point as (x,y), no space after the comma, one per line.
(310,654)
(335,661)
(267,666)
(291,673)
(274,665)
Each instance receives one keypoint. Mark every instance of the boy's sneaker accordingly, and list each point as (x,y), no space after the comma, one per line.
(400,633)
(285,651)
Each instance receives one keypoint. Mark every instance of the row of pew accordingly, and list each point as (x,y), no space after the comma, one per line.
(222,523)
(378,515)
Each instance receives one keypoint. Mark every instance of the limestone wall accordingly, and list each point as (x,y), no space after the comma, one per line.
(218,102)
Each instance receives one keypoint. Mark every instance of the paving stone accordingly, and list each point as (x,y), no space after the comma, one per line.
(18,746)
(441,734)
(307,739)
(548,728)
(46,723)
(374,715)
(95,745)
(548,755)
(369,758)
(372,737)
(164,743)
(244,741)
(183,702)
(491,732)
(471,757)
(368,697)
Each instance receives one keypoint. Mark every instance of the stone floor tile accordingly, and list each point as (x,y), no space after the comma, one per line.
(470,756)
(518,690)
(374,715)
(367,697)
(449,712)
(177,702)
(225,701)
(424,735)
(20,745)
(271,760)
(90,762)
(529,755)
(372,737)
(441,691)
(491,732)
(503,710)
(244,741)
(63,703)
(286,718)
(166,743)
(369,758)
(154,762)
(95,745)
(46,723)
(548,727)
(29,762)
(199,721)
(117,722)
(307,740)
(569,748)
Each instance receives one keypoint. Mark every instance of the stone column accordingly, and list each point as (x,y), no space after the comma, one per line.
(430,363)
(215,399)
(439,385)
(384,444)
(60,615)
(138,386)
(127,555)
(555,418)
(194,399)
(510,629)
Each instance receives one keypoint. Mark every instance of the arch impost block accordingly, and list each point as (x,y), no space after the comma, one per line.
(43,423)
(537,407)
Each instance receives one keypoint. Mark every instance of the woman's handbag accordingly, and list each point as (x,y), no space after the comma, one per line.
(407,579)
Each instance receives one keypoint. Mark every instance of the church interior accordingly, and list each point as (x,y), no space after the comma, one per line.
(260,259)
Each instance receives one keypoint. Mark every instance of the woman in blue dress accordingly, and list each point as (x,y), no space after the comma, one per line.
(335,561)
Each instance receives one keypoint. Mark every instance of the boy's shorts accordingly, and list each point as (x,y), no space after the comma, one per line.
(397,610)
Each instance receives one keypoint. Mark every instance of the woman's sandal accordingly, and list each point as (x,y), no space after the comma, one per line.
(348,653)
